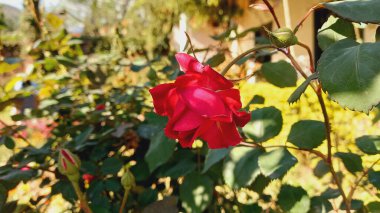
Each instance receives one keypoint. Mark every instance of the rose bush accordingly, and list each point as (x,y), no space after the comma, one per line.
(201,103)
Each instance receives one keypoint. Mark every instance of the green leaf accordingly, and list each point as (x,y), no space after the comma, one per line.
(260,183)
(275,164)
(241,168)
(3,195)
(160,150)
(265,124)
(111,166)
(196,192)
(321,169)
(373,206)
(248,208)
(374,178)
(216,60)
(356,10)
(8,142)
(214,156)
(369,144)
(320,205)
(83,136)
(350,74)
(330,193)
(293,199)
(333,30)
(181,168)
(355,205)
(351,161)
(296,95)
(307,134)
(280,74)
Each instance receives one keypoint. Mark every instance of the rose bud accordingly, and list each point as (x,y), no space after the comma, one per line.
(282,38)
(69,164)
(128,180)
(200,104)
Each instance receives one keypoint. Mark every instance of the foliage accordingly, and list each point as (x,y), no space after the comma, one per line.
(89,95)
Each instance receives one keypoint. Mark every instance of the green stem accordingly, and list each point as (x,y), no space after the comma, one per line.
(82,198)
(255,49)
(124,202)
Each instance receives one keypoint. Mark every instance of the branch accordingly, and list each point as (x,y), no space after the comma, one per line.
(318,6)
(191,45)
(255,49)
(272,12)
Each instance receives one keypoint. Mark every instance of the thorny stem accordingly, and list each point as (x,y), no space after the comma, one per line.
(124,202)
(318,6)
(310,55)
(357,182)
(272,12)
(255,49)
(82,199)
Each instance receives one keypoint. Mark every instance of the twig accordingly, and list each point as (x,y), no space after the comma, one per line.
(272,12)
(357,182)
(318,6)
(225,70)
(310,56)
(124,202)
(191,45)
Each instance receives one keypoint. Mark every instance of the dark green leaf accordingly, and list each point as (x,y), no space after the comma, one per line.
(320,205)
(330,193)
(140,170)
(83,136)
(160,150)
(333,30)
(260,183)
(374,178)
(7,142)
(249,208)
(296,95)
(112,184)
(355,205)
(3,195)
(196,192)
(373,206)
(275,164)
(351,161)
(181,168)
(307,134)
(265,124)
(216,60)
(293,199)
(241,167)
(111,166)
(321,169)
(214,156)
(369,144)
(352,79)
(280,74)
(167,205)
(356,10)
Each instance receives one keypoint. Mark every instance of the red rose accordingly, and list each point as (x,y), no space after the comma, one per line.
(201,103)
(100,107)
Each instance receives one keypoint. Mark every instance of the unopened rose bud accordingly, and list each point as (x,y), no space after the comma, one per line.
(69,164)
(282,38)
(128,180)
(100,107)
(88,177)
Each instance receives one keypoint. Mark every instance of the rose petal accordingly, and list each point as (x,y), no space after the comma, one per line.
(164,98)
(186,139)
(169,129)
(214,80)
(187,121)
(232,98)
(204,101)
(241,118)
(221,135)
(189,63)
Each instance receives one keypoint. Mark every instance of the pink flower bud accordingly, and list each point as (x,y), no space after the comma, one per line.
(69,164)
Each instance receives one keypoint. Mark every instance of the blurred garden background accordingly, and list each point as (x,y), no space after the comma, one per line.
(75,74)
